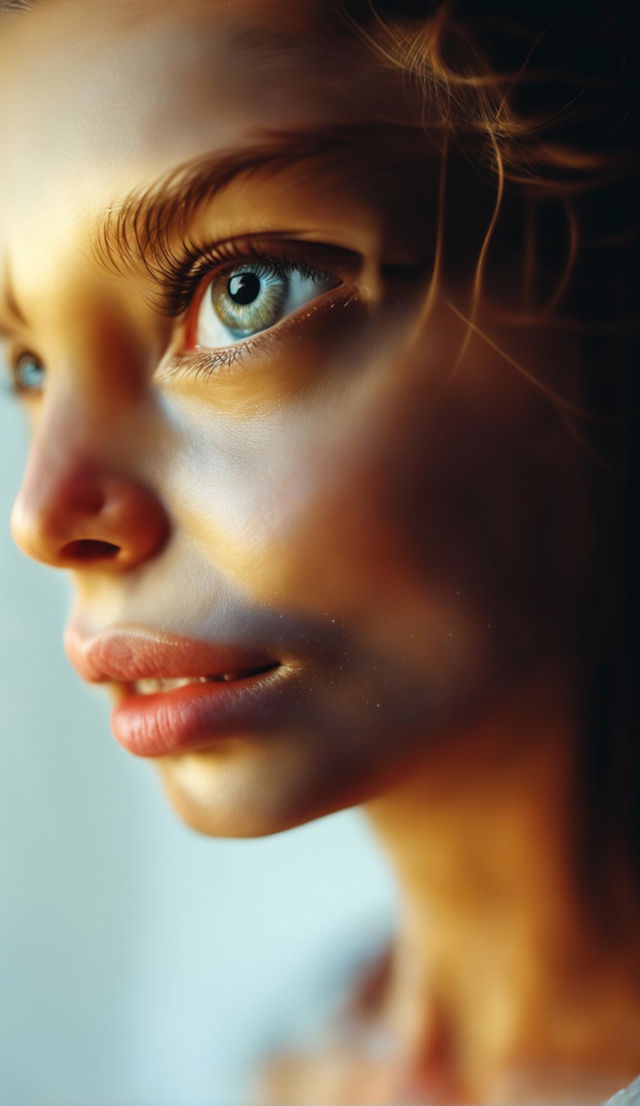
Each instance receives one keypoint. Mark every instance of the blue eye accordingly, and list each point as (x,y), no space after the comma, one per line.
(254,296)
(28,373)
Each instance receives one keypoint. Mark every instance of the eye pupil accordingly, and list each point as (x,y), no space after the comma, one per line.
(244,288)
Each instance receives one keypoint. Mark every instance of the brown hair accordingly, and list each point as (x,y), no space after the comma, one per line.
(544,97)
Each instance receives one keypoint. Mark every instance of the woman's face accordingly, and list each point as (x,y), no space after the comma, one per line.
(342,549)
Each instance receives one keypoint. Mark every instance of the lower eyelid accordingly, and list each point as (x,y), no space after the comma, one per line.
(200,361)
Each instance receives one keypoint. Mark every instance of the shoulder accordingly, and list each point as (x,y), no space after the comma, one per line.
(629,1096)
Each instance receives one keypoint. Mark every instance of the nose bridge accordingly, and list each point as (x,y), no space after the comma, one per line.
(66,452)
(84,496)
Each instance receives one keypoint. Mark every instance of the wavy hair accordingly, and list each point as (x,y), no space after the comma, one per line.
(543,98)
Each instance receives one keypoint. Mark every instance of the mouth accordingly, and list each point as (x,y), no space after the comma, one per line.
(156,716)
(173,694)
(156,685)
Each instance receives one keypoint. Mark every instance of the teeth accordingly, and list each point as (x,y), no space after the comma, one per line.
(152,686)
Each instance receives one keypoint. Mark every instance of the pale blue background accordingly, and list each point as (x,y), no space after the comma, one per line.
(142,965)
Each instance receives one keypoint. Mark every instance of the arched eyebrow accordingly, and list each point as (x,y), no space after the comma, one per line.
(136,232)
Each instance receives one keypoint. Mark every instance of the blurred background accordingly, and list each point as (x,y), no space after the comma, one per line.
(140,964)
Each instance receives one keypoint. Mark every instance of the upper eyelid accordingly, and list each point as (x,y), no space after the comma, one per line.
(136,231)
(177,280)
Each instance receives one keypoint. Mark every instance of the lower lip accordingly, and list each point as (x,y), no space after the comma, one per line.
(195,716)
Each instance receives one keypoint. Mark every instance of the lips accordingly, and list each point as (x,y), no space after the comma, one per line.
(127,655)
(175,694)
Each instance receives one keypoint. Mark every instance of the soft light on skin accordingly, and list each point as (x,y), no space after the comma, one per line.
(409,541)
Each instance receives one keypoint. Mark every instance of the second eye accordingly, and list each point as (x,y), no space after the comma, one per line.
(253,296)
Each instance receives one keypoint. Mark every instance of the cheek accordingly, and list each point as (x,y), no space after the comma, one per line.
(401,515)
(403,496)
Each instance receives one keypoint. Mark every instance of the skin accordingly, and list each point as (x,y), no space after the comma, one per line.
(407,535)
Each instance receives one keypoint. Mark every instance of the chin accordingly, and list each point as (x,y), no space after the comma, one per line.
(218,795)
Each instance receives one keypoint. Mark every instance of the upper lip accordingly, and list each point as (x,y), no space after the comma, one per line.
(125,655)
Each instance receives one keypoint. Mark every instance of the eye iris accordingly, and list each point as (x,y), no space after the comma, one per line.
(29,373)
(249,299)
(244,288)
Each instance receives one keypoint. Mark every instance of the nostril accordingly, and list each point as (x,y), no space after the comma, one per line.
(89,550)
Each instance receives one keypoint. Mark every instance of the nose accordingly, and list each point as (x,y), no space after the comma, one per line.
(73,511)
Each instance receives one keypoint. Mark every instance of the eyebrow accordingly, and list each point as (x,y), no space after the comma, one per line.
(136,231)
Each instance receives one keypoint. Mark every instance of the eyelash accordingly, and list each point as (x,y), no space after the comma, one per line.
(180,277)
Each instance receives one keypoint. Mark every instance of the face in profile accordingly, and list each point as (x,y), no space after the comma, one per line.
(312,529)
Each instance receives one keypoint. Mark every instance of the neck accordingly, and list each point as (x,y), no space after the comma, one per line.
(499,981)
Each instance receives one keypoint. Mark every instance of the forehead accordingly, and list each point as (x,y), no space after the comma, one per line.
(98,99)
(97,79)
